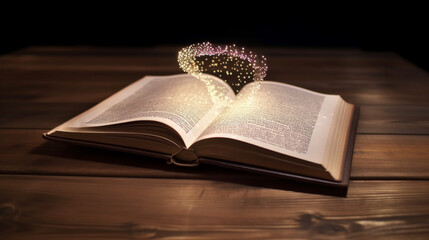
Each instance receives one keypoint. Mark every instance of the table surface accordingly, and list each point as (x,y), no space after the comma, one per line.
(60,191)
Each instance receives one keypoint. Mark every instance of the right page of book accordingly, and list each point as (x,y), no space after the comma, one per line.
(279,117)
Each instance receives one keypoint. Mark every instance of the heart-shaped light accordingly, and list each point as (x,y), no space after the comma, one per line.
(236,66)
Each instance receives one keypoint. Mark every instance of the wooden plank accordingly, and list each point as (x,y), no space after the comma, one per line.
(284,64)
(38,89)
(330,67)
(391,156)
(394,119)
(173,49)
(361,78)
(291,68)
(38,115)
(97,50)
(270,52)
(327,61)
(25,152)
(386,60)
(88,63)
(100,208)
(61,86)
(54,86)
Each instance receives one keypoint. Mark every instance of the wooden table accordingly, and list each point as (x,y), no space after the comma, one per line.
(57,191)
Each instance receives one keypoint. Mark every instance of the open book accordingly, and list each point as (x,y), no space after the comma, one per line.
(276,129)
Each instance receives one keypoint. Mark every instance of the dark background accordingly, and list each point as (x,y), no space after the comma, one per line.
(371,28)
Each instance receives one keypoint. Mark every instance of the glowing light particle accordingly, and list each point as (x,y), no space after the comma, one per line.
(201,58)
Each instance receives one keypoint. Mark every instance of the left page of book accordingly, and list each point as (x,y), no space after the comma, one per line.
(181,101)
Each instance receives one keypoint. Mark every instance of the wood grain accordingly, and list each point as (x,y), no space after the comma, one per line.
(394,119)
(25,152)
(62,87)
(392,156)
(100,194)
(82,207)
(36,115)
(96,77)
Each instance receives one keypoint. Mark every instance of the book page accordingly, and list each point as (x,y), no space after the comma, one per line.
(279,117)
(179,101)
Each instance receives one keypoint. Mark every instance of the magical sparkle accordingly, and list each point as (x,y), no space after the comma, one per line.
(236,66)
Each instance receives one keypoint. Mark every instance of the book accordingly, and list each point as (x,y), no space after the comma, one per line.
(273,128)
